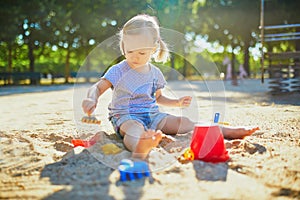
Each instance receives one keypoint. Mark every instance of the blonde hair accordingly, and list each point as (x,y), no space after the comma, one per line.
(137,25)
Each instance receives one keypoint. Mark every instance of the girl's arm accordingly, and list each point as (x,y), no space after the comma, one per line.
(165,101)
(89,104)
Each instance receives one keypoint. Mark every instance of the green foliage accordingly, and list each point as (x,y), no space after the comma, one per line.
(49,36)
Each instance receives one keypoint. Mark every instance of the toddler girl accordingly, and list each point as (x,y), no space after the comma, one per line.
(137,90)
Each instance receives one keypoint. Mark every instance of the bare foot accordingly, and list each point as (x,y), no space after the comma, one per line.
(148,140)
(237,132)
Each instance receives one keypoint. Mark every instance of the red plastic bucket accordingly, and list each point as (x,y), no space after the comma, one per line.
(208,143)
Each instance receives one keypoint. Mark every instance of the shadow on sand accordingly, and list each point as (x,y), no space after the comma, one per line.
(87,177)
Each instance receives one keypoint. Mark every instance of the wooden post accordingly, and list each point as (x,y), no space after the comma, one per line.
(262,35)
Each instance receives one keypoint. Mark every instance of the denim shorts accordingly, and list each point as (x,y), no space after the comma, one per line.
(148,120)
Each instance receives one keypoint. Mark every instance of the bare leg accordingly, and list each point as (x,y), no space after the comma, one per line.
(138,140)
(175,125)
(178,125)
(230,132)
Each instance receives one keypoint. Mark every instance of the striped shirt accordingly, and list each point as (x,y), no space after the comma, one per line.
(134,92)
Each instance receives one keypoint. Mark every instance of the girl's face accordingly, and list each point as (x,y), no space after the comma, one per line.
(138,49)
(138,58)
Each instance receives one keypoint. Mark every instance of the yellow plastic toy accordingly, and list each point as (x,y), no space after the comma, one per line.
(188,154)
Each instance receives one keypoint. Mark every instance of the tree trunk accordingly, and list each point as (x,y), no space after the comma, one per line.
(88,66)
(246,58)
(31,59)
(67,67)
(185,66)
(31,56)
(9,62)
(233,72)
(172,75)
(9,59)
(172,61)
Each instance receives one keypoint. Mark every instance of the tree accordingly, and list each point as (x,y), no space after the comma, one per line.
(231,23)
(36,24)
(9,21)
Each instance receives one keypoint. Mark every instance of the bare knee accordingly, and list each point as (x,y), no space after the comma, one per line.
(132,131)
(185,125)
(131,127)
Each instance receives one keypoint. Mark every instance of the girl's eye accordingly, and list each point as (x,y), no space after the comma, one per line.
(142,53)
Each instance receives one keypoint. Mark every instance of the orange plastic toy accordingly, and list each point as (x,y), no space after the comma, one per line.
(86,143)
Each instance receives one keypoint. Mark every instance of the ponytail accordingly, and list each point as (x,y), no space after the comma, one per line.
(162,54)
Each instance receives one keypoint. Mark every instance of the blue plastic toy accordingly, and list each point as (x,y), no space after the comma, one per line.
(131,170)
(216,119)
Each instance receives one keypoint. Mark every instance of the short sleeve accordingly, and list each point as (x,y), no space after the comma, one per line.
(113,75)
(161,81)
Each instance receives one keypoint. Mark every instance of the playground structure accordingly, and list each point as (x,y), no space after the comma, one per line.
(283,67)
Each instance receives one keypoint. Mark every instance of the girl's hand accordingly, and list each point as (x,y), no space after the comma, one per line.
(88,106)
(185,101)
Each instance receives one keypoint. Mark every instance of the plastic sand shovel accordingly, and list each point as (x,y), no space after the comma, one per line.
(216,119)
(90,120)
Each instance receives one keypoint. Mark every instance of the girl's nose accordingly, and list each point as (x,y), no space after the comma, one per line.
(135,57)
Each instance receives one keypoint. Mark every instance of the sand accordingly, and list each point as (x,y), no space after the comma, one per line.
(38,160)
